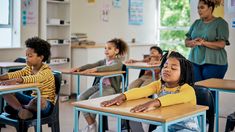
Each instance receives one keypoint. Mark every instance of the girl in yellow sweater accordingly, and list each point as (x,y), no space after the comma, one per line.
(174,87)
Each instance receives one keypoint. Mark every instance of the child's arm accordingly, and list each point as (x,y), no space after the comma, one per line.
(147,106)
(116,66)
(185,95)
(87,66)
(115,101)
(4,77)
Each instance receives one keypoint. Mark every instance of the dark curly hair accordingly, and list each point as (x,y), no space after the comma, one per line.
(121,45)
(186,73)
(40,46)
(211,3)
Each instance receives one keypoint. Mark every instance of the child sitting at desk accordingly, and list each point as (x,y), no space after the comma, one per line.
(174,87)
(114,50)
(36,71)
(153,59)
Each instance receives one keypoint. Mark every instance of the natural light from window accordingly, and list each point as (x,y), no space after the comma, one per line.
(173,24)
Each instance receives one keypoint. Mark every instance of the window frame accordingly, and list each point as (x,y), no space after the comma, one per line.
(160,28)
(10,17)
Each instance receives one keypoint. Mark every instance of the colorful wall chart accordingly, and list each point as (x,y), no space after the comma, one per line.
(135,12)
(29,12)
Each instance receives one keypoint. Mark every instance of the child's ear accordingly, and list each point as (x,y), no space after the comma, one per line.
(116,51)
(41,57)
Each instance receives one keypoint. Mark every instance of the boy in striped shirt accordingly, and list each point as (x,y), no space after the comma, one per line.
(36,71)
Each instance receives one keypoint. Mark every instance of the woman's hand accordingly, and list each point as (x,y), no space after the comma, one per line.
(151,105)
(115,101)
(75,70)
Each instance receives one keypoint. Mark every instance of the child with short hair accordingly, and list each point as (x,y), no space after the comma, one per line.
(115,49)
(36,71)
(174,87)
(153,59)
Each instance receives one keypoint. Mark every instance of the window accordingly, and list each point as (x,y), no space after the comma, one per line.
(5,23)
(173,24)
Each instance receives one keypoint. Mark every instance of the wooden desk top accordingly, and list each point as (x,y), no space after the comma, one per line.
(18,86)
(164,114)
(141,65)
(64,71)
(217,84)
(11,64)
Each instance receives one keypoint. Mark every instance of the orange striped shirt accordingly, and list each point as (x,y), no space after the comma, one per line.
(43,76)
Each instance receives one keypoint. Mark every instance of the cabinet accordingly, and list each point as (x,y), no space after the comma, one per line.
(55,28)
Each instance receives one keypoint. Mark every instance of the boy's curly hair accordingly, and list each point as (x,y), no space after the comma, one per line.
(40,46)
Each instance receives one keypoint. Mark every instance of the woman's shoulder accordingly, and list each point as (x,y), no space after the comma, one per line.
(220,20)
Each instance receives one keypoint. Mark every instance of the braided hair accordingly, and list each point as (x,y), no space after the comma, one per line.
(186,73)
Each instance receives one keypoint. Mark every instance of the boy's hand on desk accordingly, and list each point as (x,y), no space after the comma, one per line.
(8,82)
(116,101)
(151,105)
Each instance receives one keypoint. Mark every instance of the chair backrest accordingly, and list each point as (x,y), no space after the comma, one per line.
(205,97)
(96,80)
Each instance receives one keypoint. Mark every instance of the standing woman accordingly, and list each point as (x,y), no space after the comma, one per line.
(207,39)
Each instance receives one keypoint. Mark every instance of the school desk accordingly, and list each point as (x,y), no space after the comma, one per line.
(4,66)
(25,87)
(163,116)
(102,76)
(141,66)
(218,85)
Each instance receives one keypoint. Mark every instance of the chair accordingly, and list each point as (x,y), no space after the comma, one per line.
(205,97)
(230,123)
(52,119)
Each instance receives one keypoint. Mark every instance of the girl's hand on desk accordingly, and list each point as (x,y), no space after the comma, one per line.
(92,70)
(116,101)
(75,70)
(130,61)
(151,105)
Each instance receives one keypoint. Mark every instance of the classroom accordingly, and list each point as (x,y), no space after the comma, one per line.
(80,32)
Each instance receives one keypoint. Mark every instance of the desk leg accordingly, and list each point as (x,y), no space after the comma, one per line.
(119,126)
(127,79)
(153,75)
(165,127)
(78,87)
(38,110)
(76,120)
(217,110)
(203,122)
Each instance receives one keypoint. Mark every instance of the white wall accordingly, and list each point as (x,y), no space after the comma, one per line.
(227,105)
(86,19)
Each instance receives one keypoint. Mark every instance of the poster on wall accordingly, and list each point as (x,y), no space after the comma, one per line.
(136,12)
(231,6)
(116,3)
(29,14)
(105,9)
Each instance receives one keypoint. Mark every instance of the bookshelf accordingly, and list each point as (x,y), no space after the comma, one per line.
(55,28)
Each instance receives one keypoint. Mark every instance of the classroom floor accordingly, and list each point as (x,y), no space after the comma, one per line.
(66,121)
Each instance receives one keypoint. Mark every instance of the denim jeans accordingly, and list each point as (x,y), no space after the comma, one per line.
(25,99)
(206,71)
